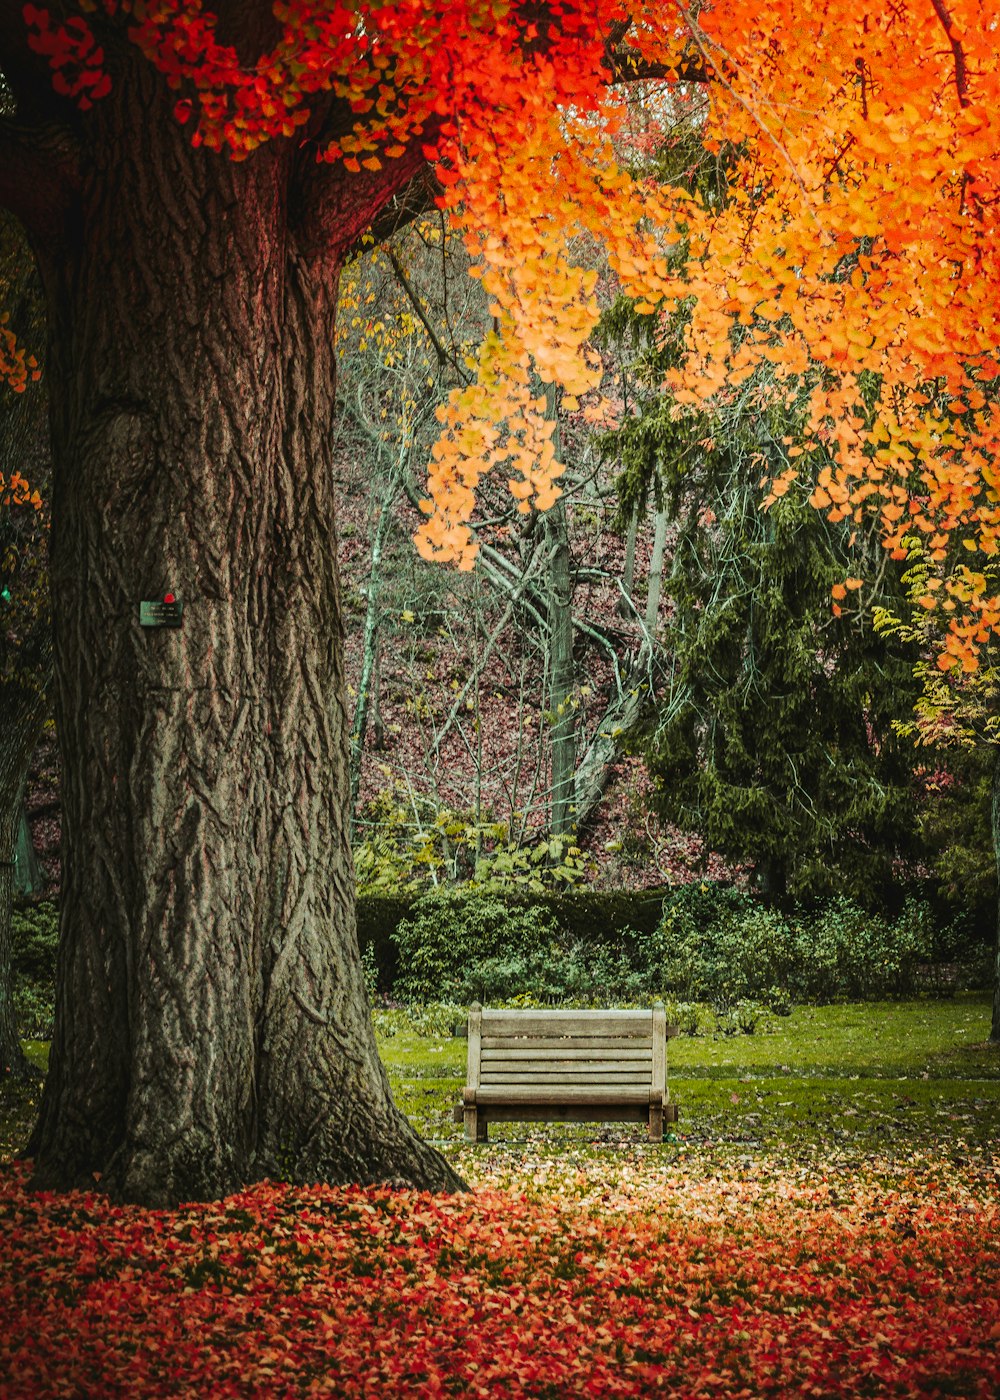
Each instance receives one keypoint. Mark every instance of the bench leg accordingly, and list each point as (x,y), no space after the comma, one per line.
(476,1127)
(655,1122)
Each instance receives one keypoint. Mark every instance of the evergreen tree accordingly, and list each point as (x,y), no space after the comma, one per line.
(773,737)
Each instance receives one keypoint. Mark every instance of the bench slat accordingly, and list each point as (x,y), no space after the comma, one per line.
(563,1042)
(562,1094)
(595,1081)
(567,1052)
(608,1023)
(528,1068)
(538,1069)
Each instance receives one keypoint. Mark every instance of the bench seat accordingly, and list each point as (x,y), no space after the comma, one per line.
(566,1066)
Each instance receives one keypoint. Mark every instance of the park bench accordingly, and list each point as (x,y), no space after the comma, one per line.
(566,1066)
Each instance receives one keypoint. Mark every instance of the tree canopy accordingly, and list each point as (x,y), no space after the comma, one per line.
(855,250)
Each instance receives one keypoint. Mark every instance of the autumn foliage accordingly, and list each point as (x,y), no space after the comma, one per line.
(663,1285)
(854,255)
(17,366)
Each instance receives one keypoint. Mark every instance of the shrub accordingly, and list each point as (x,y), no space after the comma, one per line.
(612,922)
(461,947)
(718,945)
(845,951)
(481,946)
(34,940)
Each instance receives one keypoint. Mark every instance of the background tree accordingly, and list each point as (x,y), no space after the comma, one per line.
(25,618)
(957,710)
(493,691)
(774,738)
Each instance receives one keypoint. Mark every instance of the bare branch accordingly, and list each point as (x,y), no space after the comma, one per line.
(443,355)
(947,24)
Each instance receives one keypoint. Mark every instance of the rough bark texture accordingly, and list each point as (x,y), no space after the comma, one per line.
(212,1025)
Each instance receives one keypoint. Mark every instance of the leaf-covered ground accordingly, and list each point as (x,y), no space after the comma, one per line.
(628,1278)
(824,1223)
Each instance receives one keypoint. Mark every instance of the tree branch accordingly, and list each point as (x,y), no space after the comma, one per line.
(444,356)
(628,66)
(408,205)
(37,176)
(336,204)
(947,25)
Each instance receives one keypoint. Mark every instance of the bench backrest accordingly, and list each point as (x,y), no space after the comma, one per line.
(522,1050)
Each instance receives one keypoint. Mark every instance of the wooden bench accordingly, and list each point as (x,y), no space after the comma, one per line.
(567,1066)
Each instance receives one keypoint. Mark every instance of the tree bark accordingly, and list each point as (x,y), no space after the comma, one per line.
(656,572)
(212,1026)
(616,726)
(626,608)
(559,607)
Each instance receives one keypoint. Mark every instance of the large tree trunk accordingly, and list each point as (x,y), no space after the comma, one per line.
(212,1025)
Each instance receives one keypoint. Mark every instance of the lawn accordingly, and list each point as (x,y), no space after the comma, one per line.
(897,1077)
(823,1223)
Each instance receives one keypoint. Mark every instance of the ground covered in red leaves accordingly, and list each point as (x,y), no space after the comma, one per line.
(585,1284)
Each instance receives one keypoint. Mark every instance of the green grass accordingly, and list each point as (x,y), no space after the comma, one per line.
(873,1039)
(858,1081)
(863,1081)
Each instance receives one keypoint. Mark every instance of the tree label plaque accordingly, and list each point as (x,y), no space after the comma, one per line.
(167,613)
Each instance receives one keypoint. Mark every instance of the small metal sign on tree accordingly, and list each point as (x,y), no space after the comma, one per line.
(165,613)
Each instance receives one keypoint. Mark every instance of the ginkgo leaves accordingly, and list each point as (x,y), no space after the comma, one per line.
(854,256)
(17,367)
(18,492)
(856,261)
(612,1277)
(493,422)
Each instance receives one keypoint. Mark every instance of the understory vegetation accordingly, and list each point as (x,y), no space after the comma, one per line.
(712,943)
(713,952)
(822,1219)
